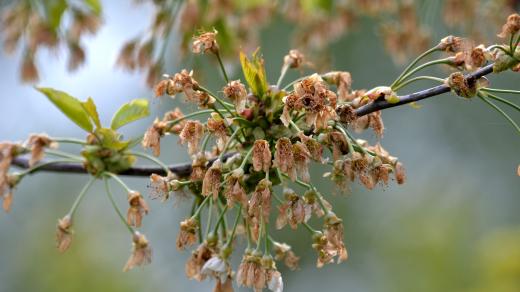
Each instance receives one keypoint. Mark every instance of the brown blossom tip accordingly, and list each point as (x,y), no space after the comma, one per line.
(211,181)
(141,252)
(236,92)
(64,233)
(451,44)
(137,208)
(294,59)
(459,85)
(37,144)
(205,42)
(261,156)
(191,134)
(159,187)
(511,27)
(188,233)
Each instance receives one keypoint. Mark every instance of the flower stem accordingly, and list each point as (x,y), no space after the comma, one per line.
(246,158)
(38,166)
(235,224)
(222,68)
(419,68)
(233,136)
(81,196)
(500,90)
(69,141)
(118,179)
(414,62)
(153,159)
(500,111)
(114,205)
(502,100)
(208,221)
(61,154)
(282,75)
(440,80)
(172,123)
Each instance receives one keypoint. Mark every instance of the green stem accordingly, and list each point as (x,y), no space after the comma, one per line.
(153,159)
(171,123)
(118,179)
(220,219)
(208,221)
(61,154)
(504,101)
(220,101)
(266,239)
(282,75)
(308,227)
(228,143)
(69,140)
(114,205)
(81,196)
(500,111)
(222,67)
(417,79)
(414,62)
(38,166)
(419,68)
(246,158)
(235,224)
(500,90)
(205,143)
(262,226)
(294,126)
(248,231)
(197,212)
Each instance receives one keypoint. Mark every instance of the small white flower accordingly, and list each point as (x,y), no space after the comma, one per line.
(215,266)
(275,283)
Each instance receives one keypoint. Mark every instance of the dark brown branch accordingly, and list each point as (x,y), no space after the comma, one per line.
(185,169)
(181,170)
(416,96)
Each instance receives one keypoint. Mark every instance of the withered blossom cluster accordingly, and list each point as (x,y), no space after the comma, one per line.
(252,146)
(39,24)
(402,27)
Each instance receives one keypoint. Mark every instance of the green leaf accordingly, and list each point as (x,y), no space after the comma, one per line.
(69,105)
(129,112)
(254,73)
(94,5)
(55,12)
(90,107)
(111,139)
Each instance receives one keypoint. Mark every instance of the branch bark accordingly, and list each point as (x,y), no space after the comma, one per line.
(185,169)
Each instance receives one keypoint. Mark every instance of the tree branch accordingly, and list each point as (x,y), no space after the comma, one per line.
(437,90)
(185,169)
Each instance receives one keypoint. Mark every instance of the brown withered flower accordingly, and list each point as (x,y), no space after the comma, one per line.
(260,201)
(399,172)
(302,158)
(211,181)
(284,253)
(152,136)
(188,233)
(294,59)
(339,144)
(37,144)
(459,85)
(511,27)
(205,42)
(29,72)
(219,129)
(334,233)
(250,273)
(283,157)
(64,233)
(198,166)
(179,82)
(137,208)
(159,186)
(314,147)
(293,211)
(197,260)
(342,80)
(126,58)
(237,93)
(191,134)
(141,252)
(261,156)
(313,206)
(233,189)
(172,116)
(451,44)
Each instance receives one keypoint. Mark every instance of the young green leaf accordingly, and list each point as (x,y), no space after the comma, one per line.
(129,112)
(69,105)
(254,73)
(90,107)
(55,12)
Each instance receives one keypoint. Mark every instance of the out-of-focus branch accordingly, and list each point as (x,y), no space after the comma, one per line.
(185,169)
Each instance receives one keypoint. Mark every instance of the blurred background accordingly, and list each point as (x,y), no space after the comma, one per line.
(454,226)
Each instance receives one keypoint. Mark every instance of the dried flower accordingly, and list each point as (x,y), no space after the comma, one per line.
(64,233)
(211,181)
(399,172)
(511,27)
(126,57)
(152,137)
(205,42)
(301,161)
(260,202)
(188,233)
(261,156)
(293,211)
(216,267)
(233,189)
(274,281)
(196,261)
(284,253)
(180,82)
(283,157)
(218,127)
(250,273)
(29,72)
(294,59)
(237,93)
(37,143)
(460,85)
(141,252)
(191,134)
(227,286)
(342,80)
(451,44)
(159,186)
(138,207)
(198,167)
(314,147)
